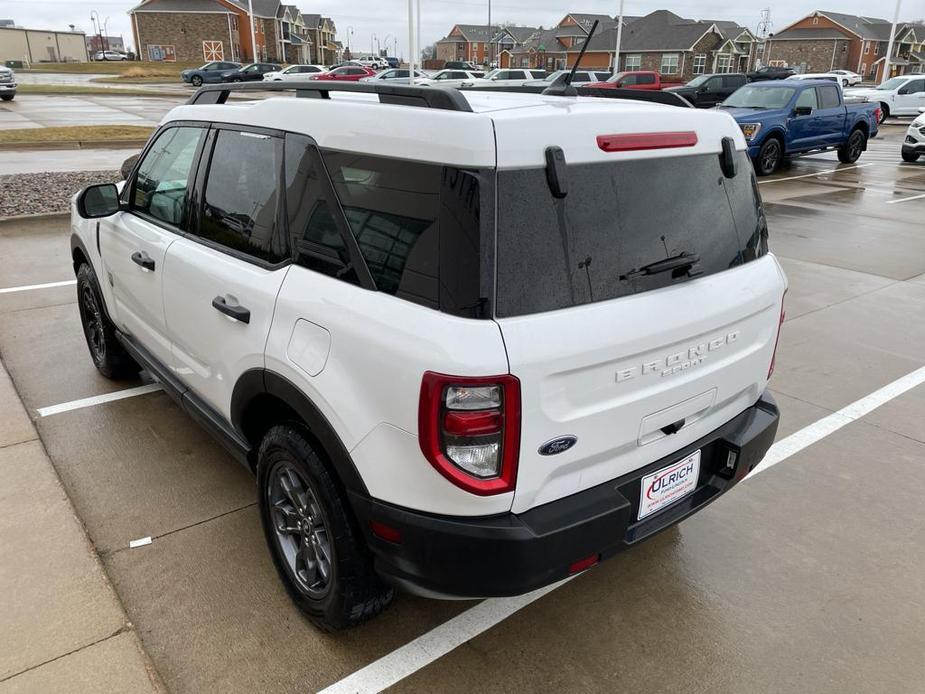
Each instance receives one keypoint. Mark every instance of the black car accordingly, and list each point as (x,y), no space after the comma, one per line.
(253,72)
(770,72)
(705,91)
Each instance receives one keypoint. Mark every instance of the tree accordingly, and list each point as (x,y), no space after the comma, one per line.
(429,52)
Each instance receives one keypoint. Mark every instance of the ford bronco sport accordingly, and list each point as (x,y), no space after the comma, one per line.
(465,365)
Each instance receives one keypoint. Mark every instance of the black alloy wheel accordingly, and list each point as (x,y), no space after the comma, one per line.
(92,319)
(852,150)
(196,80)
(769,157)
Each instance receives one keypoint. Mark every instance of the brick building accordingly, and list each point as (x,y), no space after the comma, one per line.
(825,40)
(467,42)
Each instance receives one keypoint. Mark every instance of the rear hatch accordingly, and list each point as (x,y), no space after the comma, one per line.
(642,301)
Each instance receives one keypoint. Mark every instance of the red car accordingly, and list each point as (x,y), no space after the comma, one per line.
(345,74)
(637,79)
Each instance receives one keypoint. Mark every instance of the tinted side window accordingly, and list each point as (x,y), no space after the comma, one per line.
(915,86)
(808,98)
(240,201)
(163,176)
(645,79)
(733,81)
(630,80)
(417,226)
(828,97)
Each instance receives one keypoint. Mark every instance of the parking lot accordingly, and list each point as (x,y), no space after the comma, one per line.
(809,577)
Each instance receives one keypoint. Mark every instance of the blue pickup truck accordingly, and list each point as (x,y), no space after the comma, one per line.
(789,117)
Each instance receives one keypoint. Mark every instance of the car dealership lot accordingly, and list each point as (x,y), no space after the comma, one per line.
(806,578)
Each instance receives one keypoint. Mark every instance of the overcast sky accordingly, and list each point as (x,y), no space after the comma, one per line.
(390,17)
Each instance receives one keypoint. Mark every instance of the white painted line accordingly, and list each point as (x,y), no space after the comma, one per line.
(98,399)
(817,431)
(914,197)
(140,542)
(29,287)
(818,173)
(422,651)
(437,642)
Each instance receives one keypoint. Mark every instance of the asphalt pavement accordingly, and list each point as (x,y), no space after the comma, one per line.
(809,577)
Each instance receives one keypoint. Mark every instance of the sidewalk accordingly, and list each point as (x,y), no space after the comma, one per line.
(63,627)
(42,160)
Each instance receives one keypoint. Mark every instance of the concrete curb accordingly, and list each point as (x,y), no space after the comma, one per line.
(72,144)
(45,216)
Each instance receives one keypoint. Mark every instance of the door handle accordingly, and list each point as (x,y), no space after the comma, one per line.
(237,312)
(144,260)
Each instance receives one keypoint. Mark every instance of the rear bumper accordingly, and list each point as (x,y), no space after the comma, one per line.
(511,554)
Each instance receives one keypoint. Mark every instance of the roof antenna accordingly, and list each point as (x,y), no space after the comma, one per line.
(563,84)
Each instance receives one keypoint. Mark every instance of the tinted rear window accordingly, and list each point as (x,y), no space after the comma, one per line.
(617,219)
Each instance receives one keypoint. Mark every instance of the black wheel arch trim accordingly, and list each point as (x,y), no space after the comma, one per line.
(256,382)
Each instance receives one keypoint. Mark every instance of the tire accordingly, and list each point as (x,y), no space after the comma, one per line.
(196,80)
(769,157)
(884,113)
(7,97)
(852,149)
(297,492)
(108,355)
(909,156)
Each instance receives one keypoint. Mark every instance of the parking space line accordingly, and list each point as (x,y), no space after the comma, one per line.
(914,197)
(98,399)
(818,173)
(429,647)
(29,287)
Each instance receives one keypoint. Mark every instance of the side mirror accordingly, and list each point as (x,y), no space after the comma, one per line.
(97,201)
(803,111)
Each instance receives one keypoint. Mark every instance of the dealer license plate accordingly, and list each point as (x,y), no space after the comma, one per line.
(663,487)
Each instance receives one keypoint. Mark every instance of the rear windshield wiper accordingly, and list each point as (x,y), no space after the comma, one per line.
(678,265)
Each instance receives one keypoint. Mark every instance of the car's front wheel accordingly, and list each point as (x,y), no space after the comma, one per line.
(884,113)
(910,155)
(317,548)
(108,354)
(769,157)
(7,97)
(196,80)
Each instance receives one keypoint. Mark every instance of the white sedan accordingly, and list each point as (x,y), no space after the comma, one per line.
(852,77)
(294,72)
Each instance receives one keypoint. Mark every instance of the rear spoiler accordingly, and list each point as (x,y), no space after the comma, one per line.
(656,97)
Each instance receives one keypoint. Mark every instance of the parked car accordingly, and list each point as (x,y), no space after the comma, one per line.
(109,55)
(252,73)
(509,77)
(581,76)
(635,79)
(828,76)
(395,75)
(898,96)
(293,72)
(461,65)
(783,118)
(853,78)
(705,91)
(209,73)
(344,74)
(362,329)
(373,61)
(7,84)
(769,72)
(454,78)
(914,144)
(393,62)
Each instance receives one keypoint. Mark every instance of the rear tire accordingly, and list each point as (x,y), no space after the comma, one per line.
(910,156)
(316,546)
(108,355)
(769,157)
(884,113)
(852,149)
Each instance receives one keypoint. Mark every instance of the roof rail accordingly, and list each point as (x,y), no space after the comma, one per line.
(400,94)
(657,97)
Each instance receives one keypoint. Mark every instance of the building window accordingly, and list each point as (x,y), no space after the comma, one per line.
(815,20)
(876,48)
(724,62)
(632,62)
(669,64)
(863,68)
(700,64)
(866,48)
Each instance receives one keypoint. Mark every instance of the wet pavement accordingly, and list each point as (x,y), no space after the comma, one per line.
(807,578)
(39,110)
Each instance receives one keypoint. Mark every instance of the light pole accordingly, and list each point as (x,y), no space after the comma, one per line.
(386,42)
(889,46)
(372,38)
(250,12)
(616,52)
(349,34)
(488,53)
(105,37)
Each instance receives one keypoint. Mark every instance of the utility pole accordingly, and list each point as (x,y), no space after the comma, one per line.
(411,48)
(616,52)
(488,53)
(889,46)
(250,11)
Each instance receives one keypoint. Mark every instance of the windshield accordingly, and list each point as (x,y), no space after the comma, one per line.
(760,97)
(893,83)
(597,243)
(697,81)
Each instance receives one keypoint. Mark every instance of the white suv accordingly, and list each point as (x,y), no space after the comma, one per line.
(466,366)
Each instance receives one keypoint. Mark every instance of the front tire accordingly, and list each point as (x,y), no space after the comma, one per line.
(7,97)
(196,80)
(769,157)
(909,156)
(108,355)
(317,549)
(851,151)
(884,113)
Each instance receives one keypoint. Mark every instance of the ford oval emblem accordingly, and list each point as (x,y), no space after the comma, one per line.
(558,445)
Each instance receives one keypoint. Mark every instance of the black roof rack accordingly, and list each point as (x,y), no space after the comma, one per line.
(657,97)
(401,94)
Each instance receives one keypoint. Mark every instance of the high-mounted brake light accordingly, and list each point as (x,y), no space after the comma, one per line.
(780,325)
(469,430)
(630,142)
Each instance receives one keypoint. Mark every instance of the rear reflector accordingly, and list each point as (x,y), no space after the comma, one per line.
(636,141)
(472,423)
(780,325)
(386,532)
(584,564)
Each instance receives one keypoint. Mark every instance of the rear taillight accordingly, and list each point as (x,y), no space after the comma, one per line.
(469,430)
(877,114)
(630,142)
(783,315)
